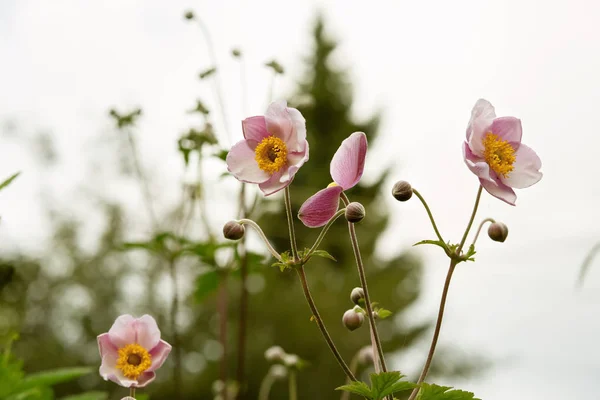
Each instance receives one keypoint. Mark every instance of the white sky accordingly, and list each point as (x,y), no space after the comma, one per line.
(63,63)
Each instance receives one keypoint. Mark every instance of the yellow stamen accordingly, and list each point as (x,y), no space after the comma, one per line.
(499,154)
(133,360)
(271,154)
(332,184)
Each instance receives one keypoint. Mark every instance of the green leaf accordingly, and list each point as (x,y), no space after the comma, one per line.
(382,313)
(222,154)
(434,242)
(53,377)
(207,72)
(89,396)
(206,284)
(357,387)
(324,254)
(386,383)
(435,392)
(8,180)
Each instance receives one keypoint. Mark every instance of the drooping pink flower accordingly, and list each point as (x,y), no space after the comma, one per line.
(132,350)
(493,151)
(346,169)
(273,150)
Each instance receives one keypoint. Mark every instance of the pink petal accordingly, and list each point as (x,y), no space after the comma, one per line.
(295,161)
(109,371)
(477,165)
(145,378)
(508,128)
(159,355)
(320,207)
(242,164)
(255,128)
(482,117)
(297,141)
(500,191)
(348,161)
(526,169)
(278,121)
(106,346)
(122,331)
(147,332)
(274,184)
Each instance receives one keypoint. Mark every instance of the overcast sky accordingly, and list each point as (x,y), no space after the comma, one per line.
(64,63)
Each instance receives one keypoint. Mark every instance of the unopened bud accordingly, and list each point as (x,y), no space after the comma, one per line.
(353,320)
(498,232)
(291,360)
(233,230)
(189,15)
(355,212)
(278,371)
(402,191)
(357,295)
(274,354)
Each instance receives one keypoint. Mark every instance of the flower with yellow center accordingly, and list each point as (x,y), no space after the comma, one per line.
(133,360)
(271,154)
(499,154)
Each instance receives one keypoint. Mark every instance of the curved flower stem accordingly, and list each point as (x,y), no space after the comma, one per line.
(436,333)
(321,325)
(290,219)
(363,282)
(132,392)
(464,238)
(265,386)
(492,220)
(437,232)
(262,235)
(243,304)
(293,385)
(323,232)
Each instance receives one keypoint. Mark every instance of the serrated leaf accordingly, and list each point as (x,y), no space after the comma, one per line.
(206,284)
(357,387)
(53,377)
(386,383)
(89,396)
(436,392)
(9,180)
(382,313)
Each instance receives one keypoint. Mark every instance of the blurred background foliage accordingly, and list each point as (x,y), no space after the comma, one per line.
(59,302)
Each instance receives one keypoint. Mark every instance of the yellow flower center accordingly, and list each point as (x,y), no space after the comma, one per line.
(271,154)
(133,360)
(499,154)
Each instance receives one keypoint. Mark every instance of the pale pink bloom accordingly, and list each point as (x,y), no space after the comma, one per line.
(346,169)
(493,151)
(132,350)
(273,149)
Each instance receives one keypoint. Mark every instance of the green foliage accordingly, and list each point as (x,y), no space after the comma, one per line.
(382,385)
(435,392)
(275,66)
(207,73)
(127,119)
(8,180)
(90,396)
(206,284)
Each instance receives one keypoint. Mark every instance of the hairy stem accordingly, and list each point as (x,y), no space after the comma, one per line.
(290,219)
(436,332)
(321,325)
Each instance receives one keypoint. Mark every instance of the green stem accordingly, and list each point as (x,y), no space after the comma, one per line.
(265,386)
(363,282)
(132,392)
(436,333)
(321,325)
(262,235)
(480,227)
(464,238)
(293,385)
(321,236)
(290,219)
(437,232)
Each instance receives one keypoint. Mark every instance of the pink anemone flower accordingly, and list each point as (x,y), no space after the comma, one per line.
(493,151)
(132,350)
(273,150)
(346,169)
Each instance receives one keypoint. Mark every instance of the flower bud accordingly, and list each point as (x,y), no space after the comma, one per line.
(353,320)
(278,371)
(233,230)
(189,15)
(357,295)
(291,360)
(274,354)
(402,191)
(498,231)
(355,212)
